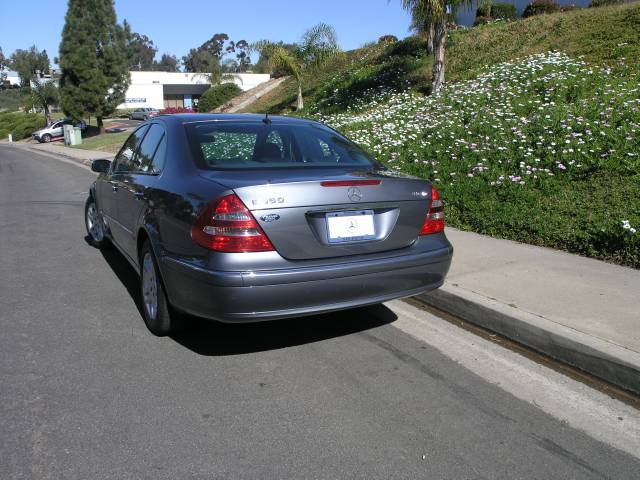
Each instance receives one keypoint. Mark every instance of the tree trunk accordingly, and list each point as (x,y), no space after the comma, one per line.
(47,114)
(300,102)
(430,34)
(100,124)
(439,43)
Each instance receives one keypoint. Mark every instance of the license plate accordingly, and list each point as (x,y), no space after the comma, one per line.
(352,226)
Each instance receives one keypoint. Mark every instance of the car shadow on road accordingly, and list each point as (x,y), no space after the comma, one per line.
(206,337)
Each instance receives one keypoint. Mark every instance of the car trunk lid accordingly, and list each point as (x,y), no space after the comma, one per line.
(309,214)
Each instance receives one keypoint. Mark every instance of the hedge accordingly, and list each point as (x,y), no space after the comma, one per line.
(505,11)
(218,95)
(538,7)
(604,3)
(20,125)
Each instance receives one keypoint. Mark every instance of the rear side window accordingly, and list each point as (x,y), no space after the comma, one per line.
(148,158)
(250,145)
(124,161)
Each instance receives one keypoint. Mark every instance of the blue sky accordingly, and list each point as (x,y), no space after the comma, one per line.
(177,26)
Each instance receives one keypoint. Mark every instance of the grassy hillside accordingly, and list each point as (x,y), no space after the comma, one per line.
(604,36)
(536,137)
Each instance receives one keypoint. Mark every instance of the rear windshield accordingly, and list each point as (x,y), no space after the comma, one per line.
(226,145)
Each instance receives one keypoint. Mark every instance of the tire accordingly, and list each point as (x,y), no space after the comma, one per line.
(94,225)
(46,138)
(145,118)
(158,317)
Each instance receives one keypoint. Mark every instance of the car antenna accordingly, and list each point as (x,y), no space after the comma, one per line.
(266,118)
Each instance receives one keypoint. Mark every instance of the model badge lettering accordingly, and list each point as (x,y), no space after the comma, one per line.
(270,218)
(267,201)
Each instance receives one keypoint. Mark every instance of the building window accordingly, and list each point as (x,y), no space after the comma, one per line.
(173,100)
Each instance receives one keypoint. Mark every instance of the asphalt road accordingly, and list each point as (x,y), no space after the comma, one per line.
(383,392)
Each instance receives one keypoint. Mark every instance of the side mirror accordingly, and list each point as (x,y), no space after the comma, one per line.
(101,165)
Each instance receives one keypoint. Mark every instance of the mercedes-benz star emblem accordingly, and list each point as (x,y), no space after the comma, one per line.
(354,194)
(352,227)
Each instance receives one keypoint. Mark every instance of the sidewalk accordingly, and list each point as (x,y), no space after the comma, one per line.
(77,154)
(578,310)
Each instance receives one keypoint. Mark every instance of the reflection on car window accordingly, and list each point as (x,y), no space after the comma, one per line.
(159,156)
(272,145)
(230,147)
(144,161)
(124,159)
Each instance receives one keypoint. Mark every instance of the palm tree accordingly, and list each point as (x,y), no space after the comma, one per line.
(215,75)
(430,17)
(318,45)
(44,94)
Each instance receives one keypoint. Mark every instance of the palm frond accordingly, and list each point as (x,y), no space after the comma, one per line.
(319,44)
(282,59)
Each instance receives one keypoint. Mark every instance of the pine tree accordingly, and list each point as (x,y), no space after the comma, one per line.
(93,60)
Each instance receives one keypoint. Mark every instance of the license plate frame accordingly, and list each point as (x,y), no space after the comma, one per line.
(339,232)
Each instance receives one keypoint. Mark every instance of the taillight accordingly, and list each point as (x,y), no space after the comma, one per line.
(228,226)
(434,222)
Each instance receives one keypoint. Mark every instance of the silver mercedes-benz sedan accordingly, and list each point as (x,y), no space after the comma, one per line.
(241,218)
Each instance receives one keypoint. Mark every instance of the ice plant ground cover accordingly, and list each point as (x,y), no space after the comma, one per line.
(544,150)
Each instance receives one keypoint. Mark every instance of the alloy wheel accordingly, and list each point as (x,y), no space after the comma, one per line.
(94,224)
(149,286)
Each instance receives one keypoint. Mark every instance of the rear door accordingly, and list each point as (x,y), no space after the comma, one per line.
(56,129)
(145,167)
(121,171)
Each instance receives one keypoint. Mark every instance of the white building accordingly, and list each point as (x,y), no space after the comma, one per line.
(11,78)
(177,89)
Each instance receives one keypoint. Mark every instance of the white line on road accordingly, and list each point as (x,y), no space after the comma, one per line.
(600,416)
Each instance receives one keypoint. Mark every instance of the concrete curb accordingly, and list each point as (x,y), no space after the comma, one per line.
(610,362)
(59,155)
(62,153)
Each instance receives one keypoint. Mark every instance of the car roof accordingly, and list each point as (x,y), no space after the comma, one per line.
(183,118)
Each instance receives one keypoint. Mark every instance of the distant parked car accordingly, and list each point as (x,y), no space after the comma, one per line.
(56,130)
(241,218)
(143,113)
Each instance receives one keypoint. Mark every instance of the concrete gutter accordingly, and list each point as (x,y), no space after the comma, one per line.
(605,360)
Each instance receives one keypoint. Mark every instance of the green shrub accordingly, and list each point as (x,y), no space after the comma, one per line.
(20,125)
(481,20)
(218,95)
(388,39)
(538,7)
(484,10)
(10,98)
(505,11)
(121,113)
(497,11)
(604,3)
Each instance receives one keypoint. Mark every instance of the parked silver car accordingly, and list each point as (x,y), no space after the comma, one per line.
(143,113)
(56,130)
(241,218)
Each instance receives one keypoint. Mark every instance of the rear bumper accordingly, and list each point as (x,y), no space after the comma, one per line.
(283,293)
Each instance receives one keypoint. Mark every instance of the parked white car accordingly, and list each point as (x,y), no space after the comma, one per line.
(56,130)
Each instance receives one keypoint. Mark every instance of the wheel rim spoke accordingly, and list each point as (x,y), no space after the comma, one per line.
(94,224)
(149,286)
